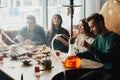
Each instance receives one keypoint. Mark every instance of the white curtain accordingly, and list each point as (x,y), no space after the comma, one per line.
(92,6)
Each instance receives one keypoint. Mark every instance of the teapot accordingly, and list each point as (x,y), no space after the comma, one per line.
(46,62)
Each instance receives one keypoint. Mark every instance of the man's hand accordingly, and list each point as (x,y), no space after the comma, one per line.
(19,38)
(29,42)
(85,44)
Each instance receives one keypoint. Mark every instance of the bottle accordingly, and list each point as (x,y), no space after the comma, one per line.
(22,76)
(72,61)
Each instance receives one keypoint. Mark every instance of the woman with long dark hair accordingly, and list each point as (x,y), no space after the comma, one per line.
(61,42)
(84,34)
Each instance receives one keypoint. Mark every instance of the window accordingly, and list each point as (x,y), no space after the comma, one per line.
(27,2)
(13,15)
(57,7)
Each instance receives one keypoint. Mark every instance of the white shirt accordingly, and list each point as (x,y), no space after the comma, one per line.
(82,37)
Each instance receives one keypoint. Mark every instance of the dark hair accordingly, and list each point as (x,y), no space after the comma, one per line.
(97,17)
(31,17)
(86,28)
(59,16)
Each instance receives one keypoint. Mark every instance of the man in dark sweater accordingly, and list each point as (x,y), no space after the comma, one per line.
(105,48)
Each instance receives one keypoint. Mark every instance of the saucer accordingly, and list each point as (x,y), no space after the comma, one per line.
(25,61)
(43,69)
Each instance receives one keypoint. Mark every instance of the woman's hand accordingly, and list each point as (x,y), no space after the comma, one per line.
(85,44)
(59,38)
(62,40)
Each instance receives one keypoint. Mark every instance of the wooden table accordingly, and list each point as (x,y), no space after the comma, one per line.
(16,68)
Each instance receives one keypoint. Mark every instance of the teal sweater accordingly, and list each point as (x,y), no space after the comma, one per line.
(105,49)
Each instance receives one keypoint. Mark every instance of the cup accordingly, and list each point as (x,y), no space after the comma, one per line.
(57,53)
(37,69)
(1,57)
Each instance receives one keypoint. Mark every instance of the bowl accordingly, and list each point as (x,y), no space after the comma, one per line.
(25,61)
